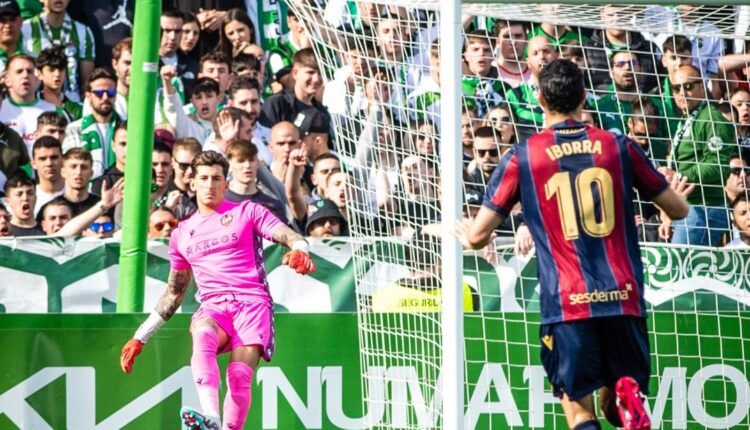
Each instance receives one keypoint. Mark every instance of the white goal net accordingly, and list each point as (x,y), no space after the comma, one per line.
(381,63)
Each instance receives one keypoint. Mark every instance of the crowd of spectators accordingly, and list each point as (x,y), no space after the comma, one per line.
(243,80)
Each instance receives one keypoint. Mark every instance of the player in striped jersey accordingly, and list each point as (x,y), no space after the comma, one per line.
(575,183)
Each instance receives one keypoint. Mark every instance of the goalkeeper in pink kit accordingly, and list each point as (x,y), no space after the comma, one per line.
(221,245)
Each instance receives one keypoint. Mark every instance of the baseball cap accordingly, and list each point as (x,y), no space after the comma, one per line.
(9,7)
(311,121)
(473,196)
(164,136)
(279,75)
(324,209)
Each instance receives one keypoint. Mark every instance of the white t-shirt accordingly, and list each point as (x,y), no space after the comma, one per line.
(737,244)
(22,118)
(42,198)
(210,145)
(261,137)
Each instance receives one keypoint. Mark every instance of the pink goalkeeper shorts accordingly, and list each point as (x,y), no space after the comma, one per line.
(246,323)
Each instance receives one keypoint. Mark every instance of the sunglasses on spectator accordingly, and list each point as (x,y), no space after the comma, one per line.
(154,187)
(491,152)
(110,92)
(161,224)
(622,63)
(106,227)
(738,170)
(644,135)
(501,120)
(184,166)
(687,86)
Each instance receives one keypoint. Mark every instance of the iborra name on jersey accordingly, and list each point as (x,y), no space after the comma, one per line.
(573,148)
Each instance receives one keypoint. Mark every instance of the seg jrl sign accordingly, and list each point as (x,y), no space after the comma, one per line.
(319,401)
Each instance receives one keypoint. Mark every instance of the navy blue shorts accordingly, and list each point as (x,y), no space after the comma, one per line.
(582,356)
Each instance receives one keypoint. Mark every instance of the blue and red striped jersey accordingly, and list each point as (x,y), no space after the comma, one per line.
(575,183)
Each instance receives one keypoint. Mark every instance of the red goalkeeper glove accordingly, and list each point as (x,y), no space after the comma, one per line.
(128,354)
(300,261)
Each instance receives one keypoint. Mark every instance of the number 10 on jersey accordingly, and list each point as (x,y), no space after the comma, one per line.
(597,218)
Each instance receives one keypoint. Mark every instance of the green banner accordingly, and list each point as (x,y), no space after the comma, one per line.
(59,369)
(80,276)
(62,372)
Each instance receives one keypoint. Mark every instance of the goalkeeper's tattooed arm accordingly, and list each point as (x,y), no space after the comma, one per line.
(167,306)
(172,298)
(286,236)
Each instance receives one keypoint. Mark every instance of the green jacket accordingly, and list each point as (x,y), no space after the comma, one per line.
(482,94)
(701,150)
(523,100)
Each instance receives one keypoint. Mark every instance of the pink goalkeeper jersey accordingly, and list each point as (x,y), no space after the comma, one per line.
(225,250)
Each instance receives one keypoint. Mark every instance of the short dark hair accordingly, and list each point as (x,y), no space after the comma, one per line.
(120,125)
(743,154)
(468,109)
(210,158)
(305,58)
(561,85)
(216,57)
(616,52)
(677,43)
(737,91)
(741,197)
(57,201)
(160,146)
(163,209)
(243,83)
(53,118)
(644,110)
(53,57)
(486,133)
(422,252)
(204,86)
(503,23)
(45,142)
(325,156)
(243,62)
(572,48)
(100,73)
(17,181)
(173,13)
(242,150)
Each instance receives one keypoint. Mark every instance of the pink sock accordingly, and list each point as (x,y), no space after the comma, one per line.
(206,369)
(237,401)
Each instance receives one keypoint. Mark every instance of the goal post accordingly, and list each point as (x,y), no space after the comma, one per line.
(448,338)
(452,372)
